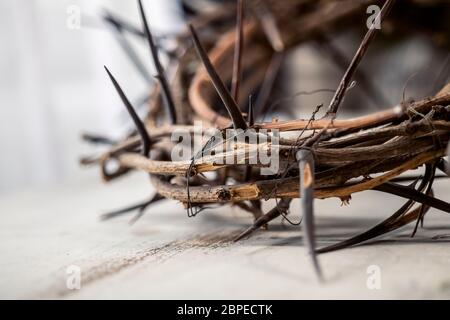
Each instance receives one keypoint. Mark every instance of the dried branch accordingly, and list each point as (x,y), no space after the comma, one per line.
(227,99)
(369,121)
(346,79)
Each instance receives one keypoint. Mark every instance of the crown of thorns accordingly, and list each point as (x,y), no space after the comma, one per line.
(326,157)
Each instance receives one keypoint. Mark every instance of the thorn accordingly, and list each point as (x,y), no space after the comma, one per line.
(157,197)
(428,191)
(281,208)
(227,99)
(141,205)
(306,167)
(137,121)
(239,45)
(397,220)
(415,195)
(246,233)
(256,212)
(403,179)
(167,96)
(346,79)
(269,26)
(121,23)
(97,139)
(384,227)
(117,28)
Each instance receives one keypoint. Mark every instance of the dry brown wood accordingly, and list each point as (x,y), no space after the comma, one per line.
(201,93)
(247,155)
(371,120)
(284,188)
(348,155)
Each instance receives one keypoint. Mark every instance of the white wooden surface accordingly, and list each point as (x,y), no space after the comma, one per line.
(167,255)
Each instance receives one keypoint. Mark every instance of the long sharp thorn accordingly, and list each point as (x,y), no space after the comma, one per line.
(346,79)
(406,179)
(306,167)
(427,192)
(115,213)
(157,197)
(137,121)
(415,195)
(122,24)
(239,44)
(380,229)
(246,233)
(97,139)
(383,227)
(281,208)
(399,219)
(141,206)
(167,96)
(269,26)
(117,29)
(227,99)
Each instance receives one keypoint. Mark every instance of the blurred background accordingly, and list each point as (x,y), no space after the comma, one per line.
(53,86)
